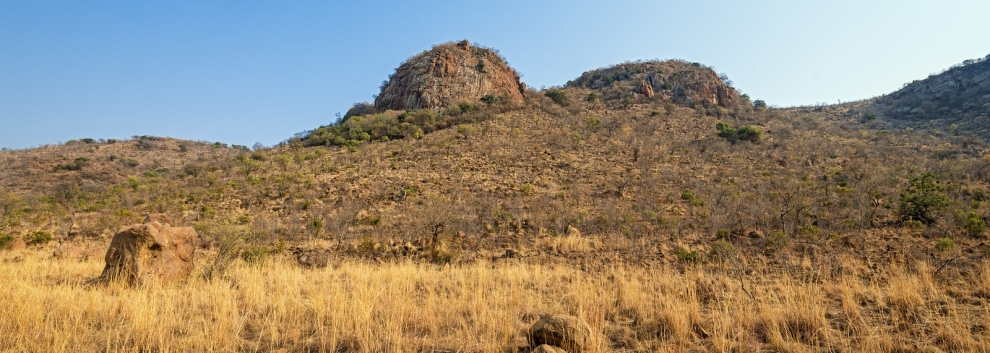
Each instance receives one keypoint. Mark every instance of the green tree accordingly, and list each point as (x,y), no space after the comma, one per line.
(557,96)
(923,198)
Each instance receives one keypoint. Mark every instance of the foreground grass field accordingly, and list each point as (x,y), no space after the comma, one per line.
(484,307)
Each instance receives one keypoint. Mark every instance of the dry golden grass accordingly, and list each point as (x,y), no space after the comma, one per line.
(481,307)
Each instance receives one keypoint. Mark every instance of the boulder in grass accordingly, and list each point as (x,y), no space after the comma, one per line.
(545,348)
(567,332)
(149,251)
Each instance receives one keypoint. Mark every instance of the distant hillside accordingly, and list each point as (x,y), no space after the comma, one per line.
(89,164)
(954,102)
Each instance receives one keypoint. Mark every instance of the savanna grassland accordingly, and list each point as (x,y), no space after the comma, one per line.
(666,222)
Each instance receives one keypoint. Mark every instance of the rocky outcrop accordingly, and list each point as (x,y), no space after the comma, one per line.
(562,331)
(677,80)
(150,251)
(646,89)
(449,74)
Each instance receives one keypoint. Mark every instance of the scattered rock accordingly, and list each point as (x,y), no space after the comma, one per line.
(153,250)
(567,332)
(447,75)
(545,348)
(66,251)
(854,241)
(311,258)
(754,234)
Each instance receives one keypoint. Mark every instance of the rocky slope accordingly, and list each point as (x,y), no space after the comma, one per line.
(449,74)
(955,102)
(677,80)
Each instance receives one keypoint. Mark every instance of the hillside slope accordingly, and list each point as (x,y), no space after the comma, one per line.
(954,102)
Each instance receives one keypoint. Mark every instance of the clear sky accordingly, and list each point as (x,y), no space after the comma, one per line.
(242,72)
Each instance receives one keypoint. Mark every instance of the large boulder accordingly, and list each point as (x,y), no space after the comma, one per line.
(150,251)
(563,331)
(449,74)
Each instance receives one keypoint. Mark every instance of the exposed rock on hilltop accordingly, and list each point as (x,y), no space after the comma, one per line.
(449,74)
(677,80)
(956,101)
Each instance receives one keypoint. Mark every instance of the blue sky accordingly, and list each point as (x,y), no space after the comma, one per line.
(242,72)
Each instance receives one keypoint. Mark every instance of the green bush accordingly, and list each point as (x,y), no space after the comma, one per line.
(594,124)
(466,107)
(5,240)
(687,256)
(255,254)
(747,133)
(974,225)
(945,244)
(776,242)
(592,97)
(923,198)
(243,219)
(759,103)
(489,99)
(722,251)
(77,164)
(39,237)
(557,96)
(722,233)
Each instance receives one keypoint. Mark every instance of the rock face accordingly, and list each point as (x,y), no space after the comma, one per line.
(449,74)
(562,331)
(677,80)
(151,250)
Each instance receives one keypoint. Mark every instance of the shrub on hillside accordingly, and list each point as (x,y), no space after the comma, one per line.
(922,199)
(38,237)
(747,133)
(359,109)
(974,225)
(592,97)
(5,241)
(255,254)
(77,164)
(557,96)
